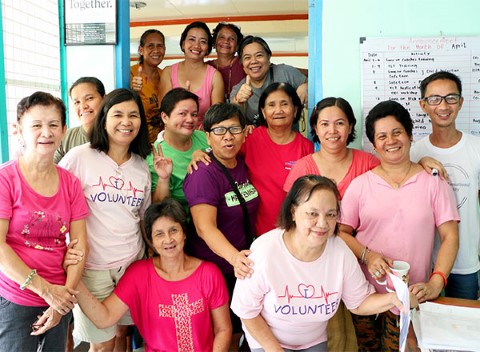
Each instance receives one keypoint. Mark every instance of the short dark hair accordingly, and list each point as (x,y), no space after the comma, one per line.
(201,25)
(233,27)
(99,136)
(99,87)
(340,103)
(169,208)
(249,39)
(174,96)
(220,112)
(143,39)
(42,99)
(384,109)
(440,75)
(301,191)
(289,90)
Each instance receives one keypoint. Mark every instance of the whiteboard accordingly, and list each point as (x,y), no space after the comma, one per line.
(392,69)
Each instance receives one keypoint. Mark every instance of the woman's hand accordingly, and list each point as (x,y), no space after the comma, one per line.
(163,166)
(198,156)
(137,81)
(395,301)
(377,264)
(425,291)
(430,164)
(60,298)
(245,92)
(49,319)
(241,264)
(413,300)
(302,92)
(72,256)
(249,129)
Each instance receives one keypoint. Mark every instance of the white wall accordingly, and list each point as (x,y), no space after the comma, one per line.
(90,60)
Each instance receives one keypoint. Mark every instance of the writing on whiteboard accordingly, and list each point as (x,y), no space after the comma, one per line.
(392,69)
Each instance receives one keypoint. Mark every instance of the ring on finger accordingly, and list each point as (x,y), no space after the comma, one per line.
(377,273)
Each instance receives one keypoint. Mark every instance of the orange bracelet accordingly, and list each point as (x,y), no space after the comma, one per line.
(444,277)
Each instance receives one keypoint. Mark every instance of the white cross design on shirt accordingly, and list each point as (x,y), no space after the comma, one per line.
(182,311)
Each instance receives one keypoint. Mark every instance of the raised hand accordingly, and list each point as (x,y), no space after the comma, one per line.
(163,166)
(137,81)
(245,91)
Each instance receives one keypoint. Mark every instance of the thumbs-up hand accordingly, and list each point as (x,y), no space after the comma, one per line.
(137,81)
(245,91)
(188,86)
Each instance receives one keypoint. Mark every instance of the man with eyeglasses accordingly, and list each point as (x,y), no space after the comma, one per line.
(441,99)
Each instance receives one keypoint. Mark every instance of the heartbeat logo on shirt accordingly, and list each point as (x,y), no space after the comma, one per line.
(306,302)
(117,183)
(307,292)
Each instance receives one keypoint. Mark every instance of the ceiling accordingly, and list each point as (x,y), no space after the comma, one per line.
(270,19)
(186,9)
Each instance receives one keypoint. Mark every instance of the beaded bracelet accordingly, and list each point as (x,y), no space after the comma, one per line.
(444,277)
(29,279)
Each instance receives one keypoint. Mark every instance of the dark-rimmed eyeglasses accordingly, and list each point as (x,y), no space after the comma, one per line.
(437,99)
(220,131)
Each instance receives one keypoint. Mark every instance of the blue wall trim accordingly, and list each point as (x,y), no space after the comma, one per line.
(63,58)
(122,49)
(315,55)
(3,98)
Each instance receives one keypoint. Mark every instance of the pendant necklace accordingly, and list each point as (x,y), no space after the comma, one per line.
(228,90)
(395,184)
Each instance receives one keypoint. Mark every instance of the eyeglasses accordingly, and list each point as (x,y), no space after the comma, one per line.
(220,131)
(437,99)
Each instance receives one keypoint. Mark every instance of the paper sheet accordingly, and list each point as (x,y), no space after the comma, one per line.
(403,295)
(445,327)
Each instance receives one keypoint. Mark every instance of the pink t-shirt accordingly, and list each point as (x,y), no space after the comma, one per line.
(117,196)
(297,298)
(400,223)
(268,165)
(204,93)
(38,226)
(173,315)
(361,163)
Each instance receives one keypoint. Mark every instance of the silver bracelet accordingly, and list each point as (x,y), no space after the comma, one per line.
(364,253)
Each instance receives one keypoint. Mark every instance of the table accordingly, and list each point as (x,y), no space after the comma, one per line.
(412,339)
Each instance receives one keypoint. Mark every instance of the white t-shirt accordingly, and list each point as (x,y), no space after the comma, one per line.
(462,162)
(117,197)
(297,298)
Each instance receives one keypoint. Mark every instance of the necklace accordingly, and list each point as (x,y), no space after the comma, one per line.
(229,85)
(392,182)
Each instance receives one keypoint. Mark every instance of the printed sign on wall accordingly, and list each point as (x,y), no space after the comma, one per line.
(90,22)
